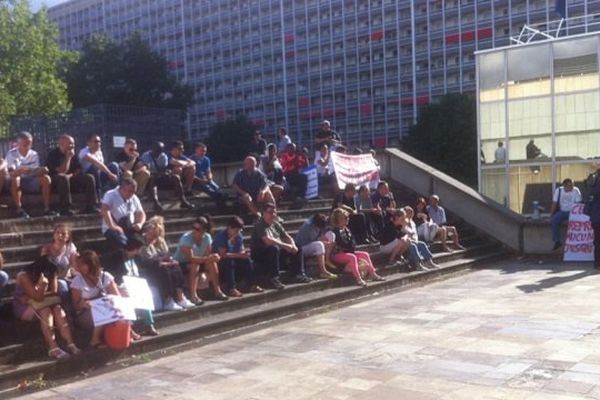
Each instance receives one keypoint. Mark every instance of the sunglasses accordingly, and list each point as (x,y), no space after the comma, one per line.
(197,229)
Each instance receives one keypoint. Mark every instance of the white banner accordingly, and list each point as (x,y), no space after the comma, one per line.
(312,184)
(109,309)
(139,292)
(358,169)
(579,245)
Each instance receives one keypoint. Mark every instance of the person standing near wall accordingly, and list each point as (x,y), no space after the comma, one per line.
(562,202)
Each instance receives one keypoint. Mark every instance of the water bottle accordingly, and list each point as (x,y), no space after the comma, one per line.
(536,210)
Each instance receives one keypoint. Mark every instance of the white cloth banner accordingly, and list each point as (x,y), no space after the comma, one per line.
(579,245)
(139,292)
(312,184)
(109,309)
(358,169)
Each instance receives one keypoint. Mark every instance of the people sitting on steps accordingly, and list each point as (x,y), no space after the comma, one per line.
(419,254)
(292,163)
(357,221)
(272,248)
(127,164)
(235,263)
(393,242)
(438,215)
(428,230)
(312,241)
(26,175)
(91,159)
(203,180)
(162,177)
(251,186)
(194,254)
(122,213)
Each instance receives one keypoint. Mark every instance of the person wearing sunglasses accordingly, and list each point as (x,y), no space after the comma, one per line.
(91,159)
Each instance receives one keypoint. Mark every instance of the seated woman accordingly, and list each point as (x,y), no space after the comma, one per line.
(63,253)
(194,253)
(234,258)
(373,214)
(35,296)
(358,222)
(393,241)
(310,238)
(345,249)
(122,263)
(160,269)
(419,252)
(428,230)
(272,168)
(89,284)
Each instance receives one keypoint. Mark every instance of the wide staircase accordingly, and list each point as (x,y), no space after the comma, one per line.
(22,353)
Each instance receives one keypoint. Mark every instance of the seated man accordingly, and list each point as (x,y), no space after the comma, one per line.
(272,247)
(128,164)
(181,165)
(292,163)
(204,178)
(251,186)
(122,213)
(258,146)
(92,162)
(157,162)
(438,215)
(26,175)
(67,176)
(394,243)
(235,260)
(312,241)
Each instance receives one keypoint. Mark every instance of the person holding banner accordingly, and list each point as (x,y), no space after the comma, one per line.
(91,283)
(357,222)
(563,200)
(327,135)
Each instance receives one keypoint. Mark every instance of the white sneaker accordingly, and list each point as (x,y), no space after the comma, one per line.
(422,267)
(172,306)
(185,303)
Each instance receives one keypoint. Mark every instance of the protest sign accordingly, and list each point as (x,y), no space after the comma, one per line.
(139,292)
(579,244)
(358,169)
(312,184)
(108,309)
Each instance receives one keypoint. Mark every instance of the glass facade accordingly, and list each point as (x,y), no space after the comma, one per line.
(539,118)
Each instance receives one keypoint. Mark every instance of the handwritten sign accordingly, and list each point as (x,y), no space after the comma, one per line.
(139,292)
(109,309)
(579,245)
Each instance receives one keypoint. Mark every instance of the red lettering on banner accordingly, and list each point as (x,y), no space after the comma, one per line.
(579,248)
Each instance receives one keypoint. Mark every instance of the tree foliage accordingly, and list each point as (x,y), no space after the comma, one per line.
(31,62)
(445,137)
(229,140)
(128,73)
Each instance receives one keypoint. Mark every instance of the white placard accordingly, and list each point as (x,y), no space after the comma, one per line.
(358,169)
(119,141)
(312,184)
(579,244)
(109,309)
(139,292)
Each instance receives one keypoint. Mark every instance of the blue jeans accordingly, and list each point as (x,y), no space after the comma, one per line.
(419,251)
(236,267)
(101,179)
(556,220)
(211,189)
(3,279)
(116,238)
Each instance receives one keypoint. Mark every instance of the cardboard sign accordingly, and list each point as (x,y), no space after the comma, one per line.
(119,141)
(358,169)
(109,309)
(579,244)
(139,292)
(312,187)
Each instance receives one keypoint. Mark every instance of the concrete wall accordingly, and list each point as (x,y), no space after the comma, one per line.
(511,229)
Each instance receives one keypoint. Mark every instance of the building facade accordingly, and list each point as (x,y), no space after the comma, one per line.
(365,65)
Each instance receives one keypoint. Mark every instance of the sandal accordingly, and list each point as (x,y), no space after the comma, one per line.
(135,336)
(74,350)
(361,282)
(327,275)
(196,300)
(150,331)
(221,296)
(58,353)
(234,293)
(256,289)
(377,278)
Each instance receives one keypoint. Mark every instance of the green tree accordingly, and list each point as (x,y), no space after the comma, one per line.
(228,141)
(128,73)
(31,62)
(445,137)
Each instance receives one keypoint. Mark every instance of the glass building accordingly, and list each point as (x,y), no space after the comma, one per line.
(538,118)
(366,65)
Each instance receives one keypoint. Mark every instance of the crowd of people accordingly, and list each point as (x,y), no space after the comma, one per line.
(59,287)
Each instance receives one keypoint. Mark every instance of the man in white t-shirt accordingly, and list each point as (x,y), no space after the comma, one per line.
(563,200)
(92,162)
(122,213)
(26,174)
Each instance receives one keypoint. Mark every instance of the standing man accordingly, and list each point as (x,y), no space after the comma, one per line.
(328,136)
(92,162)
(66,174)
(204,177)
(26,175)
(128,164)
(563,200)
(272,247)
(500,154)
(284,140)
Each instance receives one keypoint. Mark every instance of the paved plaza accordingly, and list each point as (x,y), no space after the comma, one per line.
(522,331)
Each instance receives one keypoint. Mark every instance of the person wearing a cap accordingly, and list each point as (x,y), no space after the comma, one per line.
(26,175)
(327,135)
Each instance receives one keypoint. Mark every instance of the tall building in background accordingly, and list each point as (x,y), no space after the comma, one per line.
(366,65)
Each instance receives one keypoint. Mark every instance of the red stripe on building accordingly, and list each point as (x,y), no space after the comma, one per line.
(377,35)
(469,36)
